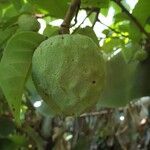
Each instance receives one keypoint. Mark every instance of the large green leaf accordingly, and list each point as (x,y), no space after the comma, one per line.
(17,4)
(6,34)
(15,65)
(125,82)
(141,11)
(120,17)
(51,31)
(55,8)
(129,51)
(119,81)
(134,33)
(112,44)
(141,81)
(10,11)
(95,3)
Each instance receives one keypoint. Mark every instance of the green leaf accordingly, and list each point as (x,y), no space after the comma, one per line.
(55,8)
(112,44)
(95,3)
(141,11)
(104,11)
(17,4)
(118,82)
(129,51)
(120,17)
(15,65)
(141,80)
(10,12)
(51,30)
(9,22)
(28,8)
(134,32)
(115,6)
(88,31)
(6,34)
(147,28)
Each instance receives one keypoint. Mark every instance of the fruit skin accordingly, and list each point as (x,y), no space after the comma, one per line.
(28,22)
(69,73)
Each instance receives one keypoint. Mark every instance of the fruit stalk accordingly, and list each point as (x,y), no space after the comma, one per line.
(68,17)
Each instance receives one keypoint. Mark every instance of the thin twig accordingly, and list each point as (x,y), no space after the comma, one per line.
(97,113)
(135,21)
(76,15)
(112,29)
(69,15)
(83,21)
(96,17)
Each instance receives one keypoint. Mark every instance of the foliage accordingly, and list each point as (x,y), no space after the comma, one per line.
(26,121)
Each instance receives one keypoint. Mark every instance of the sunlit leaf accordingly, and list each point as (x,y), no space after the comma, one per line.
(112,44)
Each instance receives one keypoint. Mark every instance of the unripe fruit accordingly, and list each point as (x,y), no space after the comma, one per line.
(69,73)
(28,23)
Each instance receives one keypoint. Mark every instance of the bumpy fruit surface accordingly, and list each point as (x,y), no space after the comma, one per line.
(69,73)
(28,23)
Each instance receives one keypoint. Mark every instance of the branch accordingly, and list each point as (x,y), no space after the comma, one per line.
(83,21)
(135,21)
(103,112)
(69,15)
(76,15)
(112,29)
(96,17)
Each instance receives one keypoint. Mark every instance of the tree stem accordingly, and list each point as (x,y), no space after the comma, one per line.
(68,17)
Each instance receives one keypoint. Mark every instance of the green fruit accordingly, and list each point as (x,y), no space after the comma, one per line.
(28,23)
(140,55)
(69,73)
